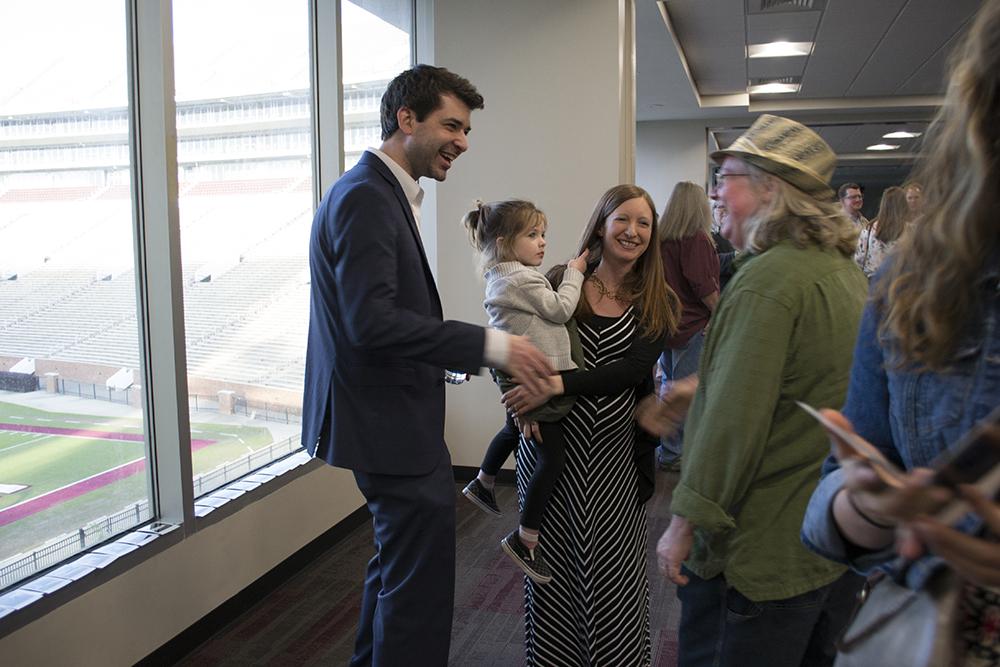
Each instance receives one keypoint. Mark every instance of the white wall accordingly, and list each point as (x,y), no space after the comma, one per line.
(668,152)
(549,133)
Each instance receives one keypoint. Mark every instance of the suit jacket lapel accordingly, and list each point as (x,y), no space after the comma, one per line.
(376,163)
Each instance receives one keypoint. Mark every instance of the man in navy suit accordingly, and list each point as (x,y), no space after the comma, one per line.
(378,346)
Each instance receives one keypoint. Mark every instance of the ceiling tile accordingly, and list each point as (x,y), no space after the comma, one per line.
(728,86)
(848,16)
(850,21)
(702,26)
(832,67)
(768,36)
(929,79)
(725,138)
(895,60)
(718,63)
(932,10)
(792,21)
(835,135)
(719,8)
(921,30)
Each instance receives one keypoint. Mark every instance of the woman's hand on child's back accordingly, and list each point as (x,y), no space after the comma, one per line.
(580,263)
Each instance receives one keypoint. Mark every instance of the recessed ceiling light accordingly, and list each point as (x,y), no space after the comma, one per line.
(882,147)
(773,88)
(779,49)
(901,135)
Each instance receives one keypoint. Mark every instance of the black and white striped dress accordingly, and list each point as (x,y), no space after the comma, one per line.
(595,611)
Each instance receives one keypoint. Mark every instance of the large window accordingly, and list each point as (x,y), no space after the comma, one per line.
(89,283)
(245,184)
(376,47)
(244,154)
(73,467)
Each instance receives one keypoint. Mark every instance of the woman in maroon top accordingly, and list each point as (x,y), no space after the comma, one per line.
(691,268)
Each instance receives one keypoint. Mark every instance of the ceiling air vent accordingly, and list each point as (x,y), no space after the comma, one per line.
(784,79)
(784,6)
(786,84)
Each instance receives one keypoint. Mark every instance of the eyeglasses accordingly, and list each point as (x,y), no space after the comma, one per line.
(720,179)
(855,197)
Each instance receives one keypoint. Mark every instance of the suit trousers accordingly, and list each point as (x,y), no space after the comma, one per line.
(409,596)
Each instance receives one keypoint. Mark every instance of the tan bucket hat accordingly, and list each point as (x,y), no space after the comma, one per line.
(790,151)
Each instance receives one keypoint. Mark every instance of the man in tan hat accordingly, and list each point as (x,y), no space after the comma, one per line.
(782,331)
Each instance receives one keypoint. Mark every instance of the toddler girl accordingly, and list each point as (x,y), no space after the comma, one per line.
(510,238)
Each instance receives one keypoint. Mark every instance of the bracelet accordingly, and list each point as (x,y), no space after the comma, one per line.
(857,510)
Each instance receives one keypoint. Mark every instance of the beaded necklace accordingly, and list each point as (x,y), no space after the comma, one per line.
(604,291)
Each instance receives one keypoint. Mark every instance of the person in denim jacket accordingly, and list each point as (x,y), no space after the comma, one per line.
(926,366)
(911,417)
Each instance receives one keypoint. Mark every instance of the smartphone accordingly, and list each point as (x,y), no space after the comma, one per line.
(886,469)
(972,459)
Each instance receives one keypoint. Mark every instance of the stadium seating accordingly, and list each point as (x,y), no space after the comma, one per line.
(247,325)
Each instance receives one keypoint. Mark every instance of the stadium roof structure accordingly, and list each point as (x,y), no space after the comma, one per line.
(213,56)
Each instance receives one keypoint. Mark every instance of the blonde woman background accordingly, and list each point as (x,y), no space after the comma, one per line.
(691,268)
(876,241)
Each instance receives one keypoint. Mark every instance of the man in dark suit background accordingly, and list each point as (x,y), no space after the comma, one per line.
(378,345)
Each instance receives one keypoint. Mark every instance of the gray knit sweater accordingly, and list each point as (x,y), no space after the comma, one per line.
(520,301)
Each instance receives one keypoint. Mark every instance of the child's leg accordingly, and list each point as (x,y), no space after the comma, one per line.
(551,454)
(503,445)
(480,490)
(520,544)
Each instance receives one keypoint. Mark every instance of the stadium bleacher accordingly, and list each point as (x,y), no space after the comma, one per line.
(247,325)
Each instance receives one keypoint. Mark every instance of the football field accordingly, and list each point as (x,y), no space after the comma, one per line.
(59,472)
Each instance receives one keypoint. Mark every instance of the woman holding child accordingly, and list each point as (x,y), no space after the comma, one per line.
(595,610)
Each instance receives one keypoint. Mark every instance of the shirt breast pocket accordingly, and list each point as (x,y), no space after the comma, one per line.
(937,403)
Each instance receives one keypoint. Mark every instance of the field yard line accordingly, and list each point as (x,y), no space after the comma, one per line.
(74,432)
(90,435)
(30,442)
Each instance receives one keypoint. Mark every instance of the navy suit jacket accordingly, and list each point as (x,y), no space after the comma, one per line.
(378,344)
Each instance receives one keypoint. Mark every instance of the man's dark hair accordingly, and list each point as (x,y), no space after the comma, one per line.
(842,192)
(419,89)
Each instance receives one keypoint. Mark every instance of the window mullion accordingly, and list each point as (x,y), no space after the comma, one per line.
(159,282)
(326,70)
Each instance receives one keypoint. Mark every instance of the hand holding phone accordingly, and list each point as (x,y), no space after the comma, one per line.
(858,446)
(973,459)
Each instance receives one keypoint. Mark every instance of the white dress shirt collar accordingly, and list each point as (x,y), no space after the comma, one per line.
(414,193)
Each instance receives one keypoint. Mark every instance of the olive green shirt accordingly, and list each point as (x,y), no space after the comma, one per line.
(783,331)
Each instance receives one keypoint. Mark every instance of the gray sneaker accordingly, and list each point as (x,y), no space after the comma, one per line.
(529,560)
(482,498)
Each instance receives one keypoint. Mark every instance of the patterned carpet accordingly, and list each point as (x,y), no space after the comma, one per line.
(312,620)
